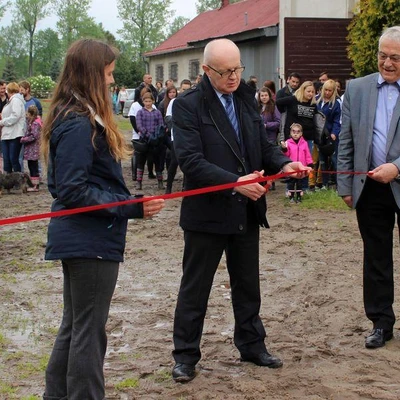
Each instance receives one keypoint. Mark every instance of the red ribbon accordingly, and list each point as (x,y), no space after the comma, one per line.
(187,193)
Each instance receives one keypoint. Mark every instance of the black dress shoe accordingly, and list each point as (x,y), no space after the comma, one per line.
(183,372)
(264,360)
(378,338)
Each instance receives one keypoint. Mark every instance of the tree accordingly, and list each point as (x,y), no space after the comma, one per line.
(128,70)
(366,28)
(3,6)
(13,46)
(47,51)
(144,23)
(55,70)
(177,24)
(28,13)
(9,74)
(206,5)
(73,15)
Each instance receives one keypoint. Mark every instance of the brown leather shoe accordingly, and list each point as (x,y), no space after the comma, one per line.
(378,338)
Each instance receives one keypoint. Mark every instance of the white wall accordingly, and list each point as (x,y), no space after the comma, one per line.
(182,58)
(316,8)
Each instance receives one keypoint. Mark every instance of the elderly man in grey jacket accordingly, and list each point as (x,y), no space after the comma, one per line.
(370,144)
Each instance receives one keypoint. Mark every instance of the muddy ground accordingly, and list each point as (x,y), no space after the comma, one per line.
(311,285)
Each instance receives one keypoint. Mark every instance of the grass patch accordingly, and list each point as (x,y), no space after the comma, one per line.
(3,341)
(322,200)
(32,397)
(7,390)
(129,383)
(28,368)
(162,376)
(124,124)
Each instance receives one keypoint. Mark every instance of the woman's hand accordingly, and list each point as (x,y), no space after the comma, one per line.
(152,207)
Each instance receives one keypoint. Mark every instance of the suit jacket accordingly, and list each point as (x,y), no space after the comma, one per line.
(355,145)
(209,154)
(281,93)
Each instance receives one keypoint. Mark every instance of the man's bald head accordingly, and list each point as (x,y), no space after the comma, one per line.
(222,65)
(219,48)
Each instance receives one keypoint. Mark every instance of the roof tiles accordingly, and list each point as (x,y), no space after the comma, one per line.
(234,18)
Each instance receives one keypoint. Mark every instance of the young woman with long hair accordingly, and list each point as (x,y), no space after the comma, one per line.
(83,148)
(269,113)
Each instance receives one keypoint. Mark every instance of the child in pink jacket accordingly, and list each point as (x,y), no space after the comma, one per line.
(296,148)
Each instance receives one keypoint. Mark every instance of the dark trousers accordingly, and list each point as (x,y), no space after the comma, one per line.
(11,149)
(376,212)
(75,369)
(202,254)
(33,166)
(173,167)
(294,186)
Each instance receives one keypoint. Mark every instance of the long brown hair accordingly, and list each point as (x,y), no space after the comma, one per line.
(167,100)
(82,85)
(270,106)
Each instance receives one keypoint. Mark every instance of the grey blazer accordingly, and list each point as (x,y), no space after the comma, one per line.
(355,139)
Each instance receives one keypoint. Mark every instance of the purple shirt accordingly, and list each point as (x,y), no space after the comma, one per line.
(147,121)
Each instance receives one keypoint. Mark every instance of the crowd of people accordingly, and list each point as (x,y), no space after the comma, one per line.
(314,105)
(20,128)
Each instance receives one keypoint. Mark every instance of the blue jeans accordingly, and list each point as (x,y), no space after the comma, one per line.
(75,369)
(11,149)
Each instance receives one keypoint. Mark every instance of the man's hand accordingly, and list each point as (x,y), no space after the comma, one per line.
(253,190)
(385,173)
(348,200)
(303,171)
(152,207)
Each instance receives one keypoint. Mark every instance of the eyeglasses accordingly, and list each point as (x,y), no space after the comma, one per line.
(395,58)
(227,74)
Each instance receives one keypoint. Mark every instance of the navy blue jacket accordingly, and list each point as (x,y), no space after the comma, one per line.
(80,175)
(209,154)
(332,113)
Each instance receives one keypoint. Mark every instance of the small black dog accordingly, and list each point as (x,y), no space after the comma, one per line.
(15,180)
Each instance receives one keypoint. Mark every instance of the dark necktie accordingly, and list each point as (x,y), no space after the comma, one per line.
(379,85)
(231,113)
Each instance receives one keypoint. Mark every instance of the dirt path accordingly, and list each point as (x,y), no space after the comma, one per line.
(312,309)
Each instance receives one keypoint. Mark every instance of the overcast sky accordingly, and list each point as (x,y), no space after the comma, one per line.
(105,11)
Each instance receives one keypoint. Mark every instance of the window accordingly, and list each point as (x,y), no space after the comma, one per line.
(160,72)
(194,69)
(173,71)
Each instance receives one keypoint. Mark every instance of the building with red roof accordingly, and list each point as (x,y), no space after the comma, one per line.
(275,37)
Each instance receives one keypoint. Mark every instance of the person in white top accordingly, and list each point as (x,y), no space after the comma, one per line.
(13,128)
(122,98)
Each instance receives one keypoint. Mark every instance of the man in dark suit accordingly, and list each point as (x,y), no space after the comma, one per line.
(293,83)
(370,141)
(219,138)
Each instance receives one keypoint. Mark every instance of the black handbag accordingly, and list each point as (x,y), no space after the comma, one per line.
(157,138)
(327,144)
(140,145)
